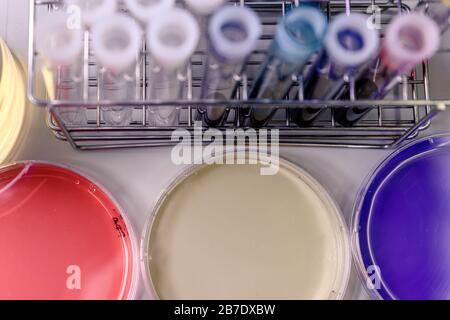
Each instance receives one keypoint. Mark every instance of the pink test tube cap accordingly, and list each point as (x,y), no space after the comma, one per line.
(409,39)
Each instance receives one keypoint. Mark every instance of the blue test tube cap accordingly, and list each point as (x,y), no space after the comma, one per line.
(300,34)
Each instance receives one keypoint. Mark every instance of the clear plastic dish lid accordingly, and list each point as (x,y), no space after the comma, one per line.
(402,224)
(61,237)
(187,249)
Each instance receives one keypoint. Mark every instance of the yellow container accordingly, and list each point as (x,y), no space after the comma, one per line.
(12,103)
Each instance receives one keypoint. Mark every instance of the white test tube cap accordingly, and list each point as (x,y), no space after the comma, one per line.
(146,10)
(57,41)
(93,10)
(116,41)
(350,41)
(245,25)
(204,7)
(409,39)
(173,37)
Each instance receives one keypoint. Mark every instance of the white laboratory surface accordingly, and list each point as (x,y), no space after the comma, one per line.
(137,177)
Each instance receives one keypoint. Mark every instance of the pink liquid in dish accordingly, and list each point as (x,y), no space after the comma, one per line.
(61,237)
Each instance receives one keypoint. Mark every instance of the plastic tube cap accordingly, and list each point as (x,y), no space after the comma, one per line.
(355,25)
(245,21)
(204,7)
(173,37)
(91,11)
(409,39)
(117,41)
(145,11)
(313,24)
(57,41)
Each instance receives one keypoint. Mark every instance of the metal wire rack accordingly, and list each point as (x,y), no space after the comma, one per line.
(390,122)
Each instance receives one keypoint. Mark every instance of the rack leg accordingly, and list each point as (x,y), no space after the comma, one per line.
(411,132)
(63,128)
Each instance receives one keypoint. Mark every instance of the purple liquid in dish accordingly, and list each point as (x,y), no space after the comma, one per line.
(404,222)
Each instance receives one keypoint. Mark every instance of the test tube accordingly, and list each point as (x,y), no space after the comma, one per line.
(299,35)
(91,11)
(349,46)
(117,41)
(60,47)
(202,10)
(146,10)
(172,39)
(410,38)
(232,36)
(438,10)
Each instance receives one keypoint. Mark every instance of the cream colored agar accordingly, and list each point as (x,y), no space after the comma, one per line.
(226,232)
(12,102)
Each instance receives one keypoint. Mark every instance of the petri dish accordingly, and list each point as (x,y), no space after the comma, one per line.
(13,116)
(228,232)
(402,224)
(62,237)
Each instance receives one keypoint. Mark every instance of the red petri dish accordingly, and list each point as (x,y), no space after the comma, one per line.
(61,237)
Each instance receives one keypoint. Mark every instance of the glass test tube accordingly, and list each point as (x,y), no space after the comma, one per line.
(438,10)
(232,36)
(409,39)
(60,47)
(117,42)
(172,39)
(349,46)
(299,35)
(146,10)
(92,11)
(202,10)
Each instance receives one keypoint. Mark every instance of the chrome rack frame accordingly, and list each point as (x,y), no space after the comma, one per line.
(390,122)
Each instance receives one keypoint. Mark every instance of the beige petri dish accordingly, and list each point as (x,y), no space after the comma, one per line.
(13,104)
(228,232)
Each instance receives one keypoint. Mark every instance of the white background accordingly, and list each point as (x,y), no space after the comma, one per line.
(137,177)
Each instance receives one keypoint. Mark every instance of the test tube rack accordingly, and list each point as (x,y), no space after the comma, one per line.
(391,122)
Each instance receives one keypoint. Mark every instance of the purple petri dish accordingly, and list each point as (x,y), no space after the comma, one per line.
(401,225)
